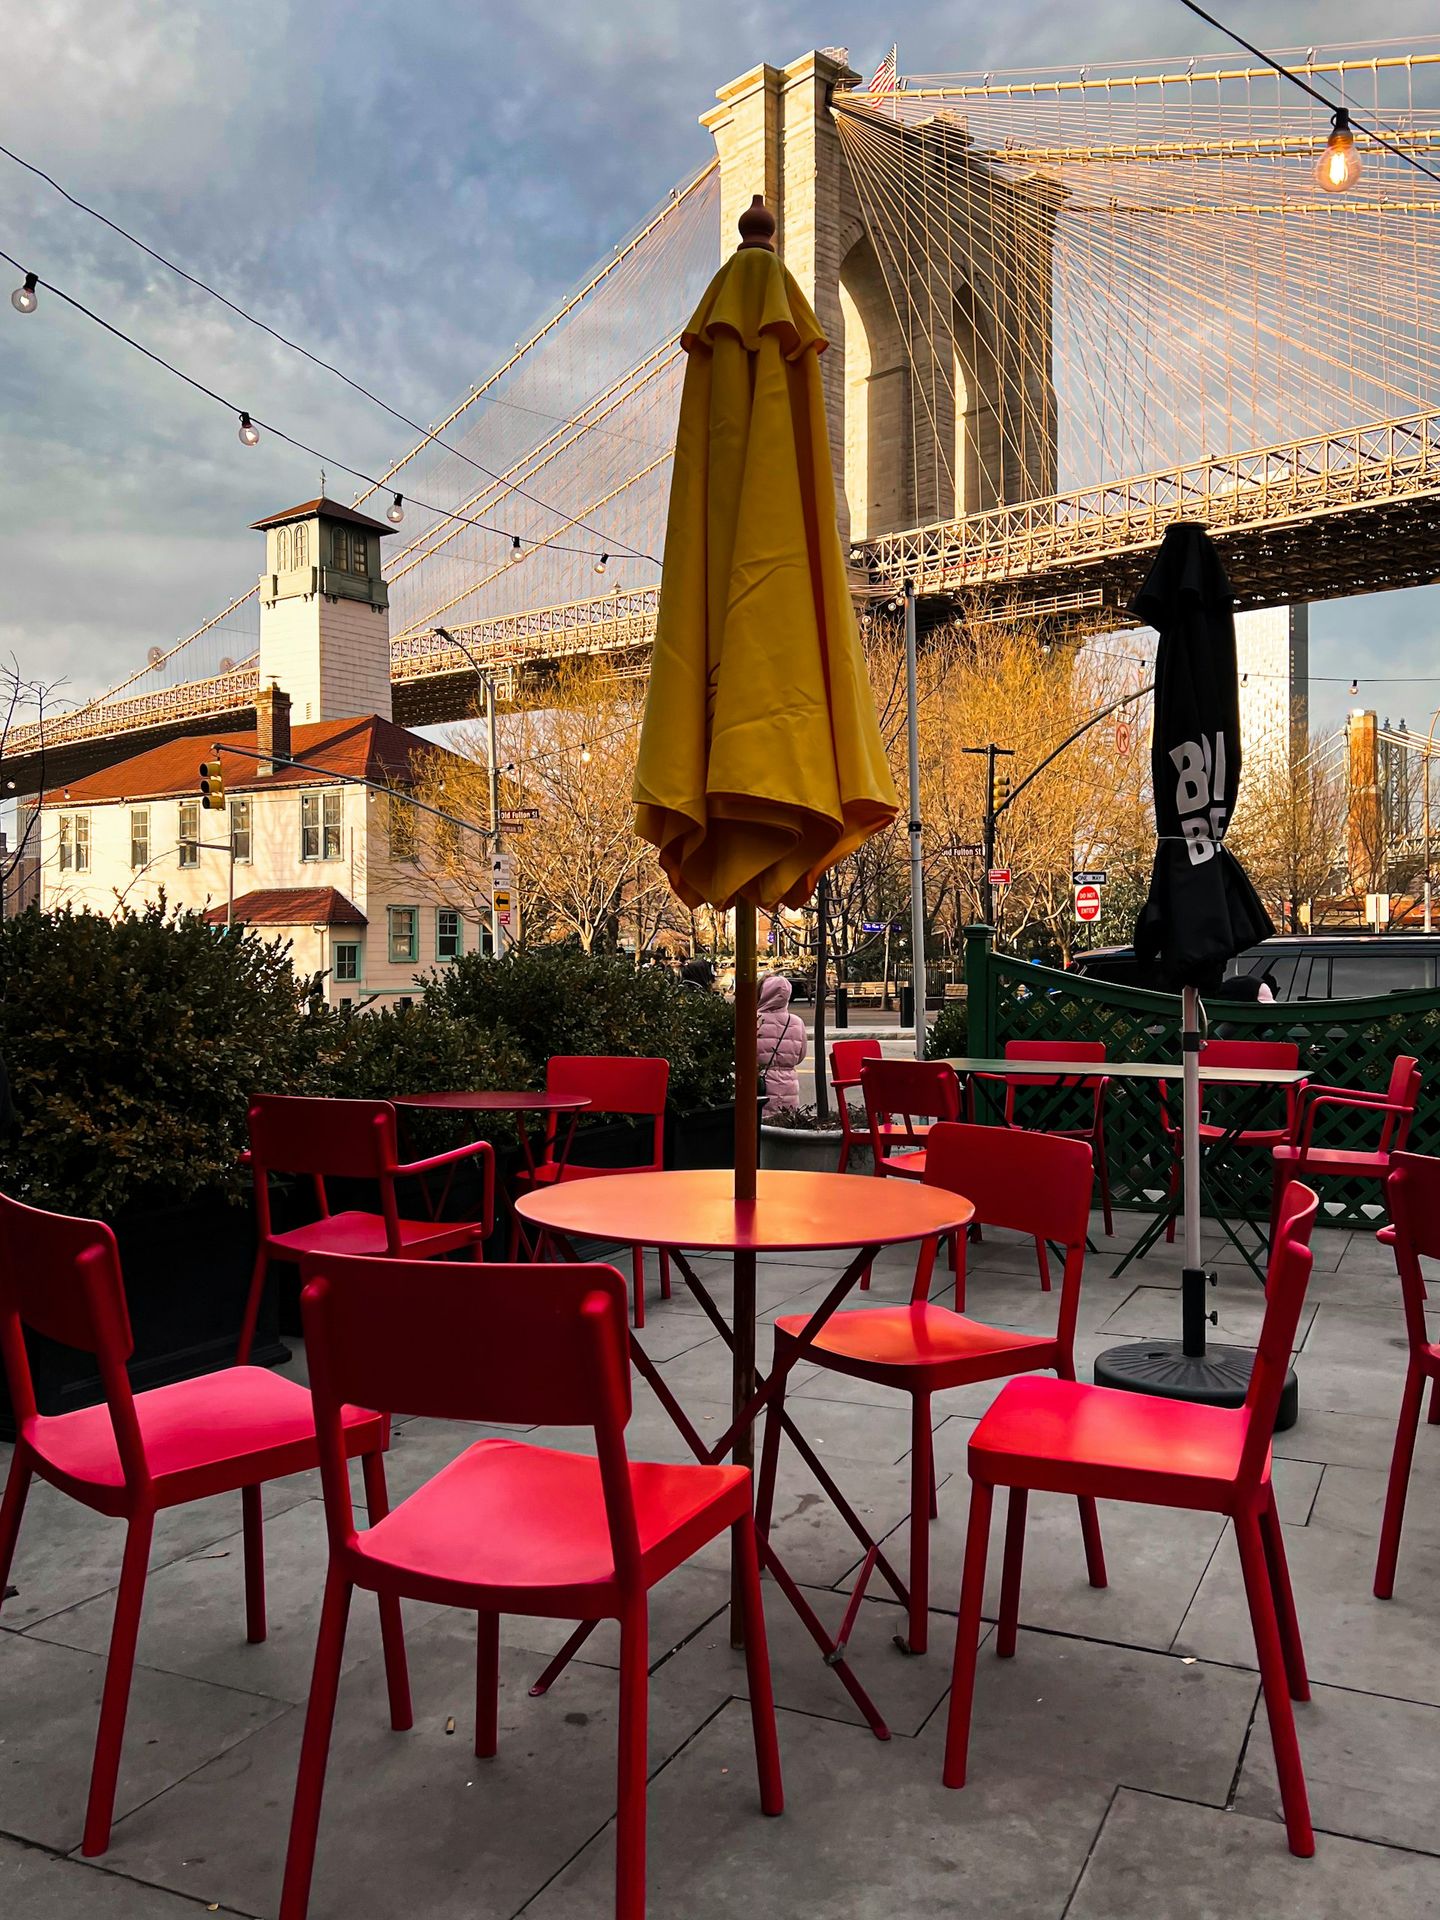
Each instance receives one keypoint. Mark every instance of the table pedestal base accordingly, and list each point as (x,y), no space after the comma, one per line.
(1218,1377)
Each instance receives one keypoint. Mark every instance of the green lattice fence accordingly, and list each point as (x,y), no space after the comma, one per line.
(1348,1043)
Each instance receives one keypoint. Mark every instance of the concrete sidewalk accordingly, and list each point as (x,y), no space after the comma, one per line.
(1120,1764)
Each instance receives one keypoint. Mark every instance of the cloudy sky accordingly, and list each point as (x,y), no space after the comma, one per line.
(406,189)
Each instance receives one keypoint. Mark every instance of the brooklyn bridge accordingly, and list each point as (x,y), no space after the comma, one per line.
(1066,308)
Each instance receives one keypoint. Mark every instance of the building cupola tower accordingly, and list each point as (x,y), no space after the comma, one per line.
(325,611)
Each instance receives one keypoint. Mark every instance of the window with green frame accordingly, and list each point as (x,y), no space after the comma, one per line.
(449,935)
(346,958)
(404,933)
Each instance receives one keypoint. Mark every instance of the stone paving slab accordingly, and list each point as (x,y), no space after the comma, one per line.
(35,1885)
(1160,1859)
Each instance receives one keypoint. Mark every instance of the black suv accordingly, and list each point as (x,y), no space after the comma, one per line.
(1310,966)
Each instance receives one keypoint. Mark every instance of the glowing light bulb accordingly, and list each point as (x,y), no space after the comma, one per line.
(395,512)
(1338,167)
(585,756)
(1354,686)
(25,299)
(514,549)
(249,432)
(602,563)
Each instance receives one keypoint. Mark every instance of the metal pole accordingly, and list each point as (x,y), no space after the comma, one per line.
(1429,750)
(497,937)
(988,895)
(230,878)
(917,870)
(1192,1302)
(747,1143)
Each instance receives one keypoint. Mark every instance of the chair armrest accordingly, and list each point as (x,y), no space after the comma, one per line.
(1354,1096)
(477,1149)
(1370,1103)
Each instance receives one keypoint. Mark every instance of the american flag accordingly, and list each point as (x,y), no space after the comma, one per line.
(886,78)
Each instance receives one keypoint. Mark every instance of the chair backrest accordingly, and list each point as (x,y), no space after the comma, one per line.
(1286,1279)
(1054,1050)
(1404,1090)
(536,1347)
(1412,1194)
(848,1056)
(1035,1183)
(326,1139)
(613,1083)
(336,1139)
(60,1277)
(911,1090)
(1283,1054)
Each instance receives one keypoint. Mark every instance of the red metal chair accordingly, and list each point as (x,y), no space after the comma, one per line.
(1034,1182)
(1231,1053)
(1413,1194)
(347,1140)
(1300,1159)
(509,1527)
(903,1099)
(1058,1436)
(613,1084)
(1093,1133)
(137,1453)
(847,1057)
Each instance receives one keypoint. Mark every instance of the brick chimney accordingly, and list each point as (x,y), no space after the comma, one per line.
(272,725)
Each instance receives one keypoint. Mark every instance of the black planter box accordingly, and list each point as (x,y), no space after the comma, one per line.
(186,1273)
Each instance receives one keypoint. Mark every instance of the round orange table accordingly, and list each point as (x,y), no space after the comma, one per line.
(791,1213)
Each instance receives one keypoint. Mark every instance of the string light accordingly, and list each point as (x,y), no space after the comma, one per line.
(1338,167)
(602,563)
(1354,686)
(249,433)
(25,299)
(430,436)
(585,756)
(395,512)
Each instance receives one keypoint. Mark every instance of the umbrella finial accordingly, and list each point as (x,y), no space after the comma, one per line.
(757,225)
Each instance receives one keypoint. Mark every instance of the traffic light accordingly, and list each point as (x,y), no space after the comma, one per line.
(1002,787)
(212,786)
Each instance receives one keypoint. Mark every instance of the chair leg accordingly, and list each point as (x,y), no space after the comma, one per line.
(1043,1258)
(258,1276)
(1010,1573)
(1286,1618)
(12,1508)
(1394,1517)
(630,1820)
(934,1490)
(844,1153)
(1279,1181)
(254,1527)
(664,1274)
(1102,1167)
(115,1699)
(1275,1684)
(1090,1534)
(637,1270)
(487,1685)
(967,1634)
(315,1748)
(960,1253)
(392,1629)
(757,1669)
(917,1631)
(769,1461)
(1434,1414)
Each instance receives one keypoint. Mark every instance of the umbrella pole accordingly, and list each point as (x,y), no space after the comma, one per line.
(747,1145)
(1192,1281)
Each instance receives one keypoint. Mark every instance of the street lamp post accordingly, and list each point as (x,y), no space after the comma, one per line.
(486,683)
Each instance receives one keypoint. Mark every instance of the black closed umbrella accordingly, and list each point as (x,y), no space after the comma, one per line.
(1201,909)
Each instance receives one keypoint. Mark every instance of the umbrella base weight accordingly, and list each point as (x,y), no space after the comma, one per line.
(1217,1378)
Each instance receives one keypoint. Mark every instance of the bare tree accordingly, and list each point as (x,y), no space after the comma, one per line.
(1290,831)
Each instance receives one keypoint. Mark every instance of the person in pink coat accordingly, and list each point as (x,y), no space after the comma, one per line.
(782,1044)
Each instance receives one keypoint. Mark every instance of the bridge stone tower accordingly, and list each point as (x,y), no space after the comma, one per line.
(928,421)
(325,611)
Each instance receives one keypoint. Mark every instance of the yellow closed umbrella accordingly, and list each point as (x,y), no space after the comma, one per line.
(761,762)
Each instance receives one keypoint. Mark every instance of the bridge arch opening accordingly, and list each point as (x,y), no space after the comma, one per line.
(879,468)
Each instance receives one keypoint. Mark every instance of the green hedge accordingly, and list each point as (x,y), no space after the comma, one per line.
(134,1043)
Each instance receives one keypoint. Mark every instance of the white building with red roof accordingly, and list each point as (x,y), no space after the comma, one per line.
(315,838)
